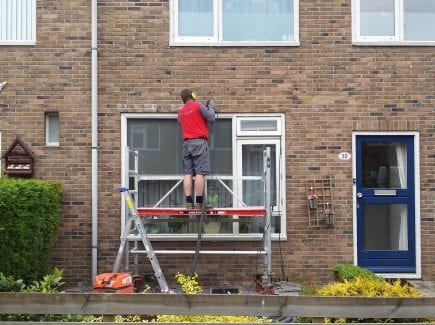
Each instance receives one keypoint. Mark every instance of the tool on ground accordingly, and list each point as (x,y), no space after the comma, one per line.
(114,283)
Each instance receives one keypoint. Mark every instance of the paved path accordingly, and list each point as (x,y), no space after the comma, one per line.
(427,287)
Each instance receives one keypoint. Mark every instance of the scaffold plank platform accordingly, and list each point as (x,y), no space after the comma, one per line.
(241,212)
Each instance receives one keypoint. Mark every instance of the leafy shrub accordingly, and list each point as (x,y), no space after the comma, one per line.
(50,283)
(29,216)
(349,272)
(369,287)
(9,284)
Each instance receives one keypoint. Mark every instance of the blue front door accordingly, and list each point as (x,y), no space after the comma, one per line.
(385,190)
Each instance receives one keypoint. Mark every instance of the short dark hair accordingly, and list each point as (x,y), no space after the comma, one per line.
(186,94)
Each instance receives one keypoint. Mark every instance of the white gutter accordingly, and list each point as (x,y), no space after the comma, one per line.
(94,89)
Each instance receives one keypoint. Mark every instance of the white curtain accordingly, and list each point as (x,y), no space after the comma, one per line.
(402,168)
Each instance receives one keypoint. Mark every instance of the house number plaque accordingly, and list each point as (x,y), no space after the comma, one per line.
(344,156)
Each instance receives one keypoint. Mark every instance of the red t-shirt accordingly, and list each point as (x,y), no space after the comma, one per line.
(193,124)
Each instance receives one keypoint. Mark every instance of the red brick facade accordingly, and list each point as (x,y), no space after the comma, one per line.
(326,87)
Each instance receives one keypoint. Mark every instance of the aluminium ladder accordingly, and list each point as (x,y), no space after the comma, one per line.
(135,219)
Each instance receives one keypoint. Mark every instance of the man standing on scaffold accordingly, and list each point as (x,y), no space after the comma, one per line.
(193,118)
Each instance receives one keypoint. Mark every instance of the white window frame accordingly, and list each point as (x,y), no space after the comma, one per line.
(241,132)
(216,39)
(263,140)
(8,9)
(49,143)
(236,140)
(396,39)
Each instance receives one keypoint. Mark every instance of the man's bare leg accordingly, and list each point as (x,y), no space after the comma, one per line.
(199,185)
(187,185)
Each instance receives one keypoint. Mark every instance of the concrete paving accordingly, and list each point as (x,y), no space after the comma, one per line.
(426,287)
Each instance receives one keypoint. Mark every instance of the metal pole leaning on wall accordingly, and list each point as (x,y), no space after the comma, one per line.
(267,240)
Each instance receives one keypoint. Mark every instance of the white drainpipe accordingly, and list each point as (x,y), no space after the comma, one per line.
(94,87)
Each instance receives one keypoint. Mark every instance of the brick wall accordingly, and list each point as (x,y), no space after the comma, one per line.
(326,87)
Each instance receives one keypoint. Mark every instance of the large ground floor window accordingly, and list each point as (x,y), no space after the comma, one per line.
(153,171)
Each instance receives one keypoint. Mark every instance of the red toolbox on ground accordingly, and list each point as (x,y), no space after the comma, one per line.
(114,283)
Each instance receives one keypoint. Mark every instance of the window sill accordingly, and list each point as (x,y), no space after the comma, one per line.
(15,43)
(207,237)
(392,43)
(234,44)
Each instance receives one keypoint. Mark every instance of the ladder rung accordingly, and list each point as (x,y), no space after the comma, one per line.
(203,252)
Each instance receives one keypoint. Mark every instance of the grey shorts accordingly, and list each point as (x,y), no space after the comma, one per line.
(196,158)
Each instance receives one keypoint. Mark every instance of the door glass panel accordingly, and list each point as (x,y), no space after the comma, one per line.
(252,162)
(384,165)
(385,227)
(253,190)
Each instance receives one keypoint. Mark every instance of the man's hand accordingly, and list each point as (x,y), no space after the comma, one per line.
(210,104)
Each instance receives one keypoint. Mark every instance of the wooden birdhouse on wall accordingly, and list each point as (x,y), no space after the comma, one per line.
(19,159)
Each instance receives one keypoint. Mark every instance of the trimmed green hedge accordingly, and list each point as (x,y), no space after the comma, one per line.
(29,217)
(351,272)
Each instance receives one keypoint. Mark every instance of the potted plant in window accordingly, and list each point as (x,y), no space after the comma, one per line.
(312,198)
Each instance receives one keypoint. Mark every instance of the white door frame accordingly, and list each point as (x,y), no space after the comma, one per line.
(355,134)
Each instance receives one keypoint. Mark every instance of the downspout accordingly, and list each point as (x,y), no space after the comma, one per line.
(94,121)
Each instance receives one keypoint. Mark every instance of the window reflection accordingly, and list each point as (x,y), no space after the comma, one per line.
(384,165)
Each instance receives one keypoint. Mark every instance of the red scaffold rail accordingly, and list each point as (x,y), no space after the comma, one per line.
(216,212)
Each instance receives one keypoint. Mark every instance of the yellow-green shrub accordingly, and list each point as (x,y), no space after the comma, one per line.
(369,287)
(190,285)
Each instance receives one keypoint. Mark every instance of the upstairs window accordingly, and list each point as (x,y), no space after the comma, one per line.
(234,22)
(394,22)
(17,22)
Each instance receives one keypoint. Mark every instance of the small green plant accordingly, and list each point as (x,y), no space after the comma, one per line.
(9,284)
(50,283)
(189,283)
(307,288)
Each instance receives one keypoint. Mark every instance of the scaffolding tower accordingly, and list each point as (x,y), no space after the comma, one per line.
(135,230)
